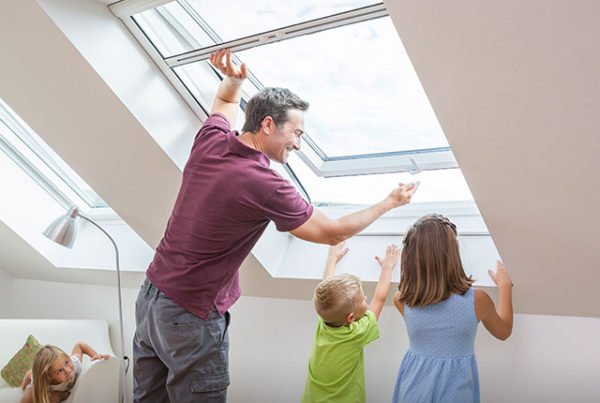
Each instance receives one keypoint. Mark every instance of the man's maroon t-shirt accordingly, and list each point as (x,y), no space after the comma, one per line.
(227,198)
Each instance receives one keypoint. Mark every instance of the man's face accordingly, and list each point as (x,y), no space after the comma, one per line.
(286,138)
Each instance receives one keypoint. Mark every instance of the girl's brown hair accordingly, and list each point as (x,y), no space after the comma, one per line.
(41,372)
(431,269)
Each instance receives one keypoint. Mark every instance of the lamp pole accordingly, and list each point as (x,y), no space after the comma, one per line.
(122,337)
(63,232)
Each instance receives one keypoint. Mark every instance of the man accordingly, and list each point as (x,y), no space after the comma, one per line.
(227,198)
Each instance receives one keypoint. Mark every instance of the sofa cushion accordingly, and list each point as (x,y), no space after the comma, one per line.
(21,362)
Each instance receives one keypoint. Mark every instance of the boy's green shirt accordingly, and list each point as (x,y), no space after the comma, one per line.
(336,370)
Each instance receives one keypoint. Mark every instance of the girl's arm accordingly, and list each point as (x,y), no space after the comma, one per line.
(499,323)
(27,396)
(57,397)
(82,348)
(392,254)
(399,305)
(26,379)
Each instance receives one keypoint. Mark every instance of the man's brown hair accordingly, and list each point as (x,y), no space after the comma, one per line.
(431,269)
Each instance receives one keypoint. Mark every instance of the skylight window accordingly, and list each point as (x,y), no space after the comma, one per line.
(32,154)
(370,124)
(367,101)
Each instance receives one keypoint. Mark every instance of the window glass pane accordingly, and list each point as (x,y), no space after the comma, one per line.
(172,30)
(245,18)
(365,101)
(202,80)
(436,186)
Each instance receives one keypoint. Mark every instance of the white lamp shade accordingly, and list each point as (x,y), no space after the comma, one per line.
(63,230)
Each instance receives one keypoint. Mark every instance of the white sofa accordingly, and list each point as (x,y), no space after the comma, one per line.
(99,380)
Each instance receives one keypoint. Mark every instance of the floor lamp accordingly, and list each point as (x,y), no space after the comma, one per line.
(63,231)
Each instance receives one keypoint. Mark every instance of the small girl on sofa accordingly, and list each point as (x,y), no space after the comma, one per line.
(54,373)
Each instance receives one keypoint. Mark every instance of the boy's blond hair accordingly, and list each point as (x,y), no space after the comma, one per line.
(335,298)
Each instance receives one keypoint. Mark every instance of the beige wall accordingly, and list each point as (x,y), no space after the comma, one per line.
(548,358)
(5,287)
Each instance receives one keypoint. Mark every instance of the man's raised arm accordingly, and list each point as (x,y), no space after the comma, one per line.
(228,96)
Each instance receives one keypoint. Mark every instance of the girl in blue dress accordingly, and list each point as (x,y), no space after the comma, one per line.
(441,311)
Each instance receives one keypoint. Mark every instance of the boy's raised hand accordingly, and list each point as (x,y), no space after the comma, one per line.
(392,255)
(337,252)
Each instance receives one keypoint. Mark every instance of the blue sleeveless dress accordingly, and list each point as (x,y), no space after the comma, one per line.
(440,365)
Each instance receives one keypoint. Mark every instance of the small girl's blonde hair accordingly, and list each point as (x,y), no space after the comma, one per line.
(335,298)
(41,371)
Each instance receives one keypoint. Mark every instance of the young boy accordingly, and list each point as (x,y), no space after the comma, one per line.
(346,324)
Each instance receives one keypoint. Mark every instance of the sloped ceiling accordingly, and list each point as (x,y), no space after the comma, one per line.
(515,87)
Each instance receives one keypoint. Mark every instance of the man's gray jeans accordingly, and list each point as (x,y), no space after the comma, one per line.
(178,357)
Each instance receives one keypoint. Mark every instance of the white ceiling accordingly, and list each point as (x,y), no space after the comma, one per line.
(515,88)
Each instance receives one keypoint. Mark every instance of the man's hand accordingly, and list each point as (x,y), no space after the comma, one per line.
(403,193)
(221,59)
(392,255)
(229,93)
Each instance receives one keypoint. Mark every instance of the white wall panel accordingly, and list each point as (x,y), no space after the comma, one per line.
(548,358)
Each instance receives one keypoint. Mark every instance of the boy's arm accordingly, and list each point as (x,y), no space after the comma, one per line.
(382,289)
(336,253)
(499,323)
(82,348)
